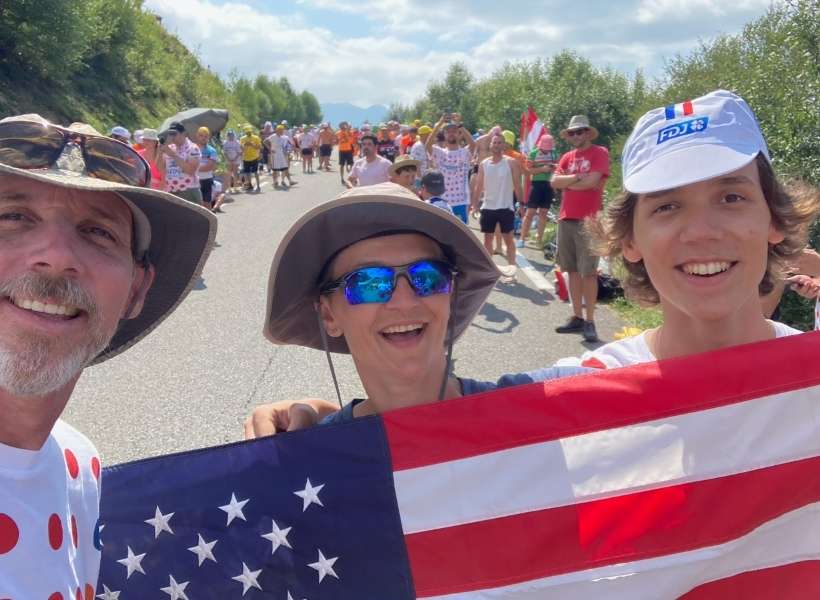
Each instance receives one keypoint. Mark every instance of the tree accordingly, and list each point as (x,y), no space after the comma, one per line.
(313,113)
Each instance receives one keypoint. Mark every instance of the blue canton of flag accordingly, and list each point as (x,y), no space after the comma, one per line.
(255,520)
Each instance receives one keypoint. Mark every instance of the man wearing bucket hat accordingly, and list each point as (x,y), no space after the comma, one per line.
(404,171)
(91,261)
(581,175)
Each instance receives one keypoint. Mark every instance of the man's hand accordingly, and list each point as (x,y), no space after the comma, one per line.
(286,415)
(805,286)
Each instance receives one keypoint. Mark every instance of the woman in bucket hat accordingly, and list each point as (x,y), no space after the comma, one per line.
(365,275)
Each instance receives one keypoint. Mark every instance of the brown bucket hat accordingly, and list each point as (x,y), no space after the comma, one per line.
(354,215)
(172,234)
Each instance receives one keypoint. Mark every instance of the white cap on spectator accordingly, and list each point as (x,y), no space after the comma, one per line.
(693,141)
(121,131)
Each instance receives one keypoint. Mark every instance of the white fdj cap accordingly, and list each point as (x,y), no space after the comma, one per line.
(692,141)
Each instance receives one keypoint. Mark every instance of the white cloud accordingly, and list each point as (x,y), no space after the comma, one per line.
(650,11)
(403,44)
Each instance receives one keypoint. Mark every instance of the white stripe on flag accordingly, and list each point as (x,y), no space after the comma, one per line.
(691,447)
(790,538)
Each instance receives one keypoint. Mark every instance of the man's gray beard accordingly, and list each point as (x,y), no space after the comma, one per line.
(36,370)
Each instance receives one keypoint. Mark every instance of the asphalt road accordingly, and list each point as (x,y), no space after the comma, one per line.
(192,382)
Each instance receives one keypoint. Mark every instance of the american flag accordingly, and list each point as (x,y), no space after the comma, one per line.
(696,477)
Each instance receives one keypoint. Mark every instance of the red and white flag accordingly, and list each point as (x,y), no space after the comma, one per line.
(531,129)
(696,477)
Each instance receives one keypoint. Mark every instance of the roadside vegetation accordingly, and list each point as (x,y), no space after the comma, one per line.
(111,62)
(774,64)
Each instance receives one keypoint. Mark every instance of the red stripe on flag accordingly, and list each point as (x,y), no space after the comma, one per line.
(541,412)
(626,528)
(687,108)
(786,582)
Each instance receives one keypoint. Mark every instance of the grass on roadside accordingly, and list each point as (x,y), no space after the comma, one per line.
(636,316)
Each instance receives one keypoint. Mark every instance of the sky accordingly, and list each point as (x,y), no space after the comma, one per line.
(379,51)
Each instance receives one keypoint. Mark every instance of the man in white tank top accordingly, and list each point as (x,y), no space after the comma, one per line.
(498,178)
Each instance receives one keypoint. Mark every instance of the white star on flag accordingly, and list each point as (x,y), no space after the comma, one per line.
(132,562)
(324,566)
(203,549)
(176,590)
(108,594)
(248,579)
(310,495)
(278,537)
(292,598)
(234,509)
(160,522)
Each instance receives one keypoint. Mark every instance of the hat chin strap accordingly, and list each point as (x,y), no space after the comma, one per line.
(451,326)
(325,345)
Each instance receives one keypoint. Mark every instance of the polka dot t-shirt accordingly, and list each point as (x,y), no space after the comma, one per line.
(49,505)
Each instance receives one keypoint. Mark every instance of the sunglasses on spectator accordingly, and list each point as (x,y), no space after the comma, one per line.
(32,145)
(574,132)
(375,285)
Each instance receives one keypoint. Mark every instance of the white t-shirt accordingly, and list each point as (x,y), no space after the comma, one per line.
(455,166)
(634,350)
(371,173)
(419,152)
(49,505)
(232,150)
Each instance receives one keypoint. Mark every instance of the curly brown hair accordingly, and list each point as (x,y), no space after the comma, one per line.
(792,207)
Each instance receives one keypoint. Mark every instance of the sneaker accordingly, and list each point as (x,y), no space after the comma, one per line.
(589,333)
(573,325)
(519,243)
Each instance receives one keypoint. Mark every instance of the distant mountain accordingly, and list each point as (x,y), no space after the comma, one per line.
(344,111)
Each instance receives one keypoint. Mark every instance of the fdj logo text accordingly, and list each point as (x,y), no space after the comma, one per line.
(685,128)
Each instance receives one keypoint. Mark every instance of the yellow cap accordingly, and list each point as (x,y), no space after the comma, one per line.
(424,130)
(204,130)
(508,136)
(247,129)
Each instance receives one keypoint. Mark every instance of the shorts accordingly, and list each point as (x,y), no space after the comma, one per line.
(325,149)
(206,186)
(461,212)
(541,195)
(193,195)
(280,170)
(503,217)
(574,253)
(250,166)
(345,157)
(307,152)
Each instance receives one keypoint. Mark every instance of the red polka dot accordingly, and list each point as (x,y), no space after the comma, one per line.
(95,467)
(89,592)
(55,531)
(71,463)
(9,533)
(56,596)
(74,530)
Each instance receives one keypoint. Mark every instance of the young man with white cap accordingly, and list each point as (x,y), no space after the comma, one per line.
(581,175)
(91,261)
(702,230)
(453,160)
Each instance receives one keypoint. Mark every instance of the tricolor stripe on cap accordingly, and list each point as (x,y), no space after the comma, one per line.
(683,109)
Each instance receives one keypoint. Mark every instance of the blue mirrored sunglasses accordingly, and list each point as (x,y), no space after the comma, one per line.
(369,285)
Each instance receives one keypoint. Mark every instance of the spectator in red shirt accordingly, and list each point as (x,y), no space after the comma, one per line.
(581,175)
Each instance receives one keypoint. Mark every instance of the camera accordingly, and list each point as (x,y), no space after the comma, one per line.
(162,140)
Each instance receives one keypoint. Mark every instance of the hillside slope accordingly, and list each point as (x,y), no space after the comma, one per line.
(104,62)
